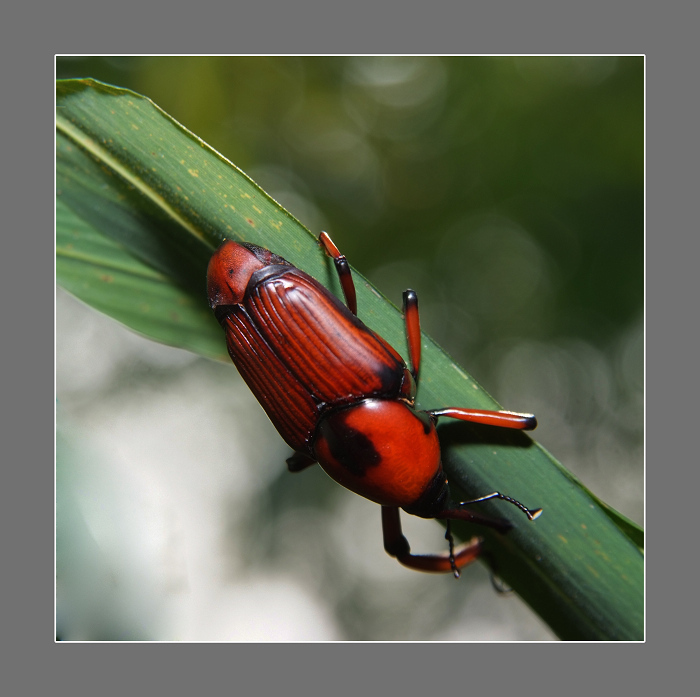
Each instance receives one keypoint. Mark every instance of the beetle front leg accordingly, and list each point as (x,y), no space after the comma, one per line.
(502,419)
(410,313)
(343,269)
(396,545)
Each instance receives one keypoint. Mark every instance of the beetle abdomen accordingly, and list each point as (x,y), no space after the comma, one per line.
(301,351)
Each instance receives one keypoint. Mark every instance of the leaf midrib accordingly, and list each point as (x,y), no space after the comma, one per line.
(105,156)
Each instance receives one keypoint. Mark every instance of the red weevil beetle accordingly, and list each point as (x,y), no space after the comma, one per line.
(340,396)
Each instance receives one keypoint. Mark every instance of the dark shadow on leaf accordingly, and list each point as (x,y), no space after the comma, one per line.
(463,433)
(124,214)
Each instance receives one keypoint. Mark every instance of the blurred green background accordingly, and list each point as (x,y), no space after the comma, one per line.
(509,192)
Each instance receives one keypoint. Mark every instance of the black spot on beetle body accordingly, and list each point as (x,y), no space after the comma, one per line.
(390,375)
(350,447)
(425,420)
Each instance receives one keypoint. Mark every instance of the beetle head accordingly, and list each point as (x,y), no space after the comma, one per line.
(230,269)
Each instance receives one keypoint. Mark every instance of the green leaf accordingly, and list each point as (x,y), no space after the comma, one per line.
(142,202)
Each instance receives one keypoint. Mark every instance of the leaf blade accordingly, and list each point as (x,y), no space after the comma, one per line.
(161,200)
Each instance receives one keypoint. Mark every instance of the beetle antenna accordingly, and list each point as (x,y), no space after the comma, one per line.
(531,514)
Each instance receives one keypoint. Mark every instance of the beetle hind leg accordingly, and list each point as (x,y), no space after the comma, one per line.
(396,545)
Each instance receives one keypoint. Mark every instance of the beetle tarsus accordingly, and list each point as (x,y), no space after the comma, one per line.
(531,514)
(343,269)
(299,462)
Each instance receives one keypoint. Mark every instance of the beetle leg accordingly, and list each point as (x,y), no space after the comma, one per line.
(396,545)
(531,514)
(503,419)
(343,269)
(299,462)
(410,313)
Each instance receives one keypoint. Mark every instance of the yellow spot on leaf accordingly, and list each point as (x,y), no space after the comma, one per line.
(460,371)
(593,571)
(193,172)
(563,539)
(245,195)
(256,209)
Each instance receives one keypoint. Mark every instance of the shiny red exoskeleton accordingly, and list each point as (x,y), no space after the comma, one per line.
(340,396)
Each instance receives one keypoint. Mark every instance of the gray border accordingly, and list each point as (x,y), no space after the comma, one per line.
(27,469)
